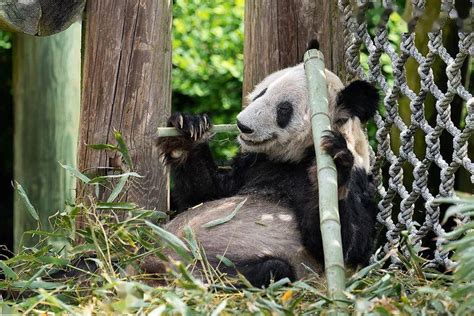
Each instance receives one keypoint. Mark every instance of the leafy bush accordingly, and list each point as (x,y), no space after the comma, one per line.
(208,62)
(5,40)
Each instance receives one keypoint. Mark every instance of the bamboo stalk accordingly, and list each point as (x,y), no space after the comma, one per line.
(221,128)
(327,175)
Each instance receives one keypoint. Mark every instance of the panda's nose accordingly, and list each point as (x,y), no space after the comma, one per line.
(244,129)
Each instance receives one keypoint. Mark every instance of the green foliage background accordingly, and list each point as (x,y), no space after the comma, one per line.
(207,75)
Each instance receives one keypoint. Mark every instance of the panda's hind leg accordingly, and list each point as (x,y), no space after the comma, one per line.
(262,271)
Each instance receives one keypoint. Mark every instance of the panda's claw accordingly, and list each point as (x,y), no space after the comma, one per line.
(181,121)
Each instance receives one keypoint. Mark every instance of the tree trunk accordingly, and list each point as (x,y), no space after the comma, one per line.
(126,86)
(46,84)
(277,34)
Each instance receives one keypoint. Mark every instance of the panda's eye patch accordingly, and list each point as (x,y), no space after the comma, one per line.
(284,113)
(260,94)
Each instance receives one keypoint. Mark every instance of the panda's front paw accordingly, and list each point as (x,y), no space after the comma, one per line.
(194,129)
(335,145)
(193,126)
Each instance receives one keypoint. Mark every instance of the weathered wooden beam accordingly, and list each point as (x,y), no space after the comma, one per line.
(277,33)
(46,91)
(39,17)
(127,87)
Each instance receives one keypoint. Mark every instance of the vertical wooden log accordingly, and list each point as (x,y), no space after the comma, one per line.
(46,85)
(126,87)
(277,33)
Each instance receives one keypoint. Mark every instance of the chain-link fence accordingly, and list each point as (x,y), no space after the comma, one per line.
(427,87)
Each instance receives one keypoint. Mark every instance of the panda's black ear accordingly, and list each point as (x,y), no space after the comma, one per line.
(313,44)
(360,98)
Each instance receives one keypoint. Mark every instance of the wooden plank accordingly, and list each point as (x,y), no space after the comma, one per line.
(39,17)
(277,34)
(126,87)
(46,85)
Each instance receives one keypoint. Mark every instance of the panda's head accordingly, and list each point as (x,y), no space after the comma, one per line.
(277,119)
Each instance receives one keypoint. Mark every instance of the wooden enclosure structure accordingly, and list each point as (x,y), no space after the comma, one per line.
(126,76)
(277,34)
(126,86)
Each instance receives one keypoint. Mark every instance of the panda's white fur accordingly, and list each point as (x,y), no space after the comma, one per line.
(290,143)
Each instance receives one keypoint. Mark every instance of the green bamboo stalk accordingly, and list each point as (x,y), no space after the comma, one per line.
(220,128)
(327,175)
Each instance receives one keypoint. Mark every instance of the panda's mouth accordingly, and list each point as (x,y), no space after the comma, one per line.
(249,142)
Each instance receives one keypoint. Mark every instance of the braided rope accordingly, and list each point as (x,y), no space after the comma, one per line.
(357,38)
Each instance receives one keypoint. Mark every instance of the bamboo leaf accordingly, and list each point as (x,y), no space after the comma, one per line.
(226,261)
(224,219)
(31,209)
(460,208)
(190,238)
(123,149)
(44,233)
(9,273)
(36,284)
(149,214)
(278,284)
(117,206)
(53,260)
(220,308)
(118,188)
(101,179)
(102,146)
(56,301)
(177,244)
(76,173)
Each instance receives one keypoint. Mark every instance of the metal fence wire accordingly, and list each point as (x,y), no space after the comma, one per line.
(407,195)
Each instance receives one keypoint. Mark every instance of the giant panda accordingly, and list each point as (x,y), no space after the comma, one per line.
(273,181)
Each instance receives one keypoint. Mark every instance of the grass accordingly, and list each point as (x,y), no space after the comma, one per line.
(116,244)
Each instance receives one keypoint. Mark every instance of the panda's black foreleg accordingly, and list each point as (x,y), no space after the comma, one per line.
(357,208)
(196,177)
(358,211)
(335,145)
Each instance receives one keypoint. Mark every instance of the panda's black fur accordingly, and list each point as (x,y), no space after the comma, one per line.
(288,184)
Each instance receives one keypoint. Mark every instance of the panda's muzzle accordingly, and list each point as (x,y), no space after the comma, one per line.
(244,128)
(249,142)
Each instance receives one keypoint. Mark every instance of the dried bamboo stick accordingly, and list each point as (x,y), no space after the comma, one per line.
(221,128)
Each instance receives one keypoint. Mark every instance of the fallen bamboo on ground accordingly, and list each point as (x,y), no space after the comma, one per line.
(220,128)
(327,175)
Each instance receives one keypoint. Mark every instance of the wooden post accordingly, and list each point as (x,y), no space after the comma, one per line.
(46,85)
(126,87)
(277,33)
(39,17)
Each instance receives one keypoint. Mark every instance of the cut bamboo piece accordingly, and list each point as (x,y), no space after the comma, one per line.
(221,128)
(327,175)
